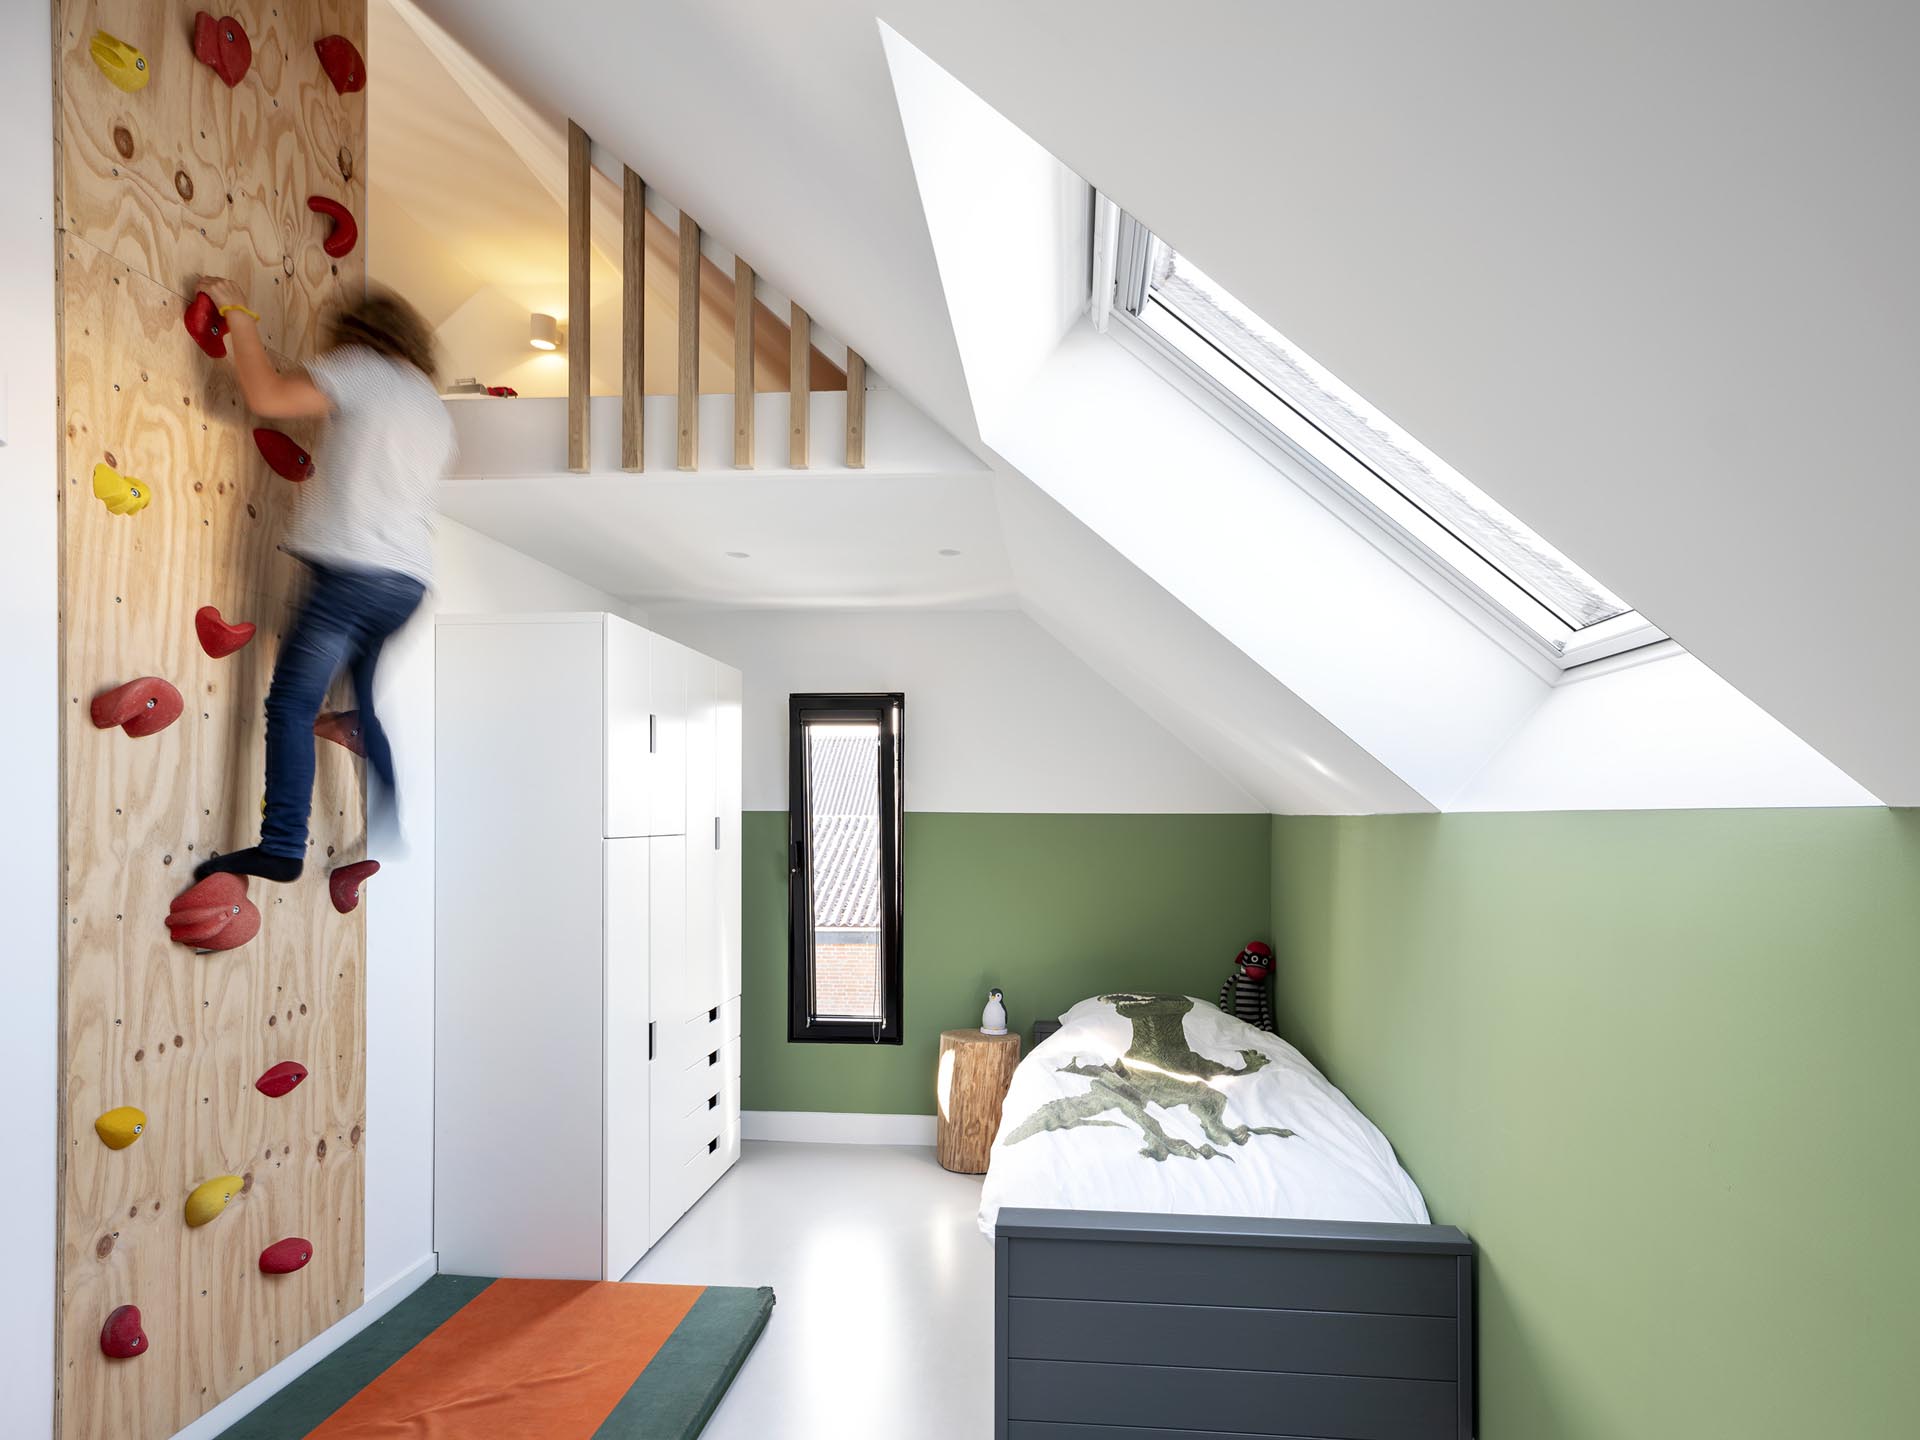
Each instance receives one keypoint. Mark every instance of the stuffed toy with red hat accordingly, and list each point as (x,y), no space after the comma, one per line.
(1245,995)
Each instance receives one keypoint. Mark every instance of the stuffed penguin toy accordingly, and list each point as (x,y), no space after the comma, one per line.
(1244,996)
(993,1020)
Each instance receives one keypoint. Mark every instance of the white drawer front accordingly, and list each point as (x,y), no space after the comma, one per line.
(693,1086)
(690,1040)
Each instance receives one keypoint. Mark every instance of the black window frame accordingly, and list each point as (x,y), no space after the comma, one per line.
(889,711)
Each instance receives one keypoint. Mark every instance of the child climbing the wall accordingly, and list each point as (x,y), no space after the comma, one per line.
(363,527)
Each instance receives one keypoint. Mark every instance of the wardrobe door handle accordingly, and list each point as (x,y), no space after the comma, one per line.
(653,734)
(649,1039)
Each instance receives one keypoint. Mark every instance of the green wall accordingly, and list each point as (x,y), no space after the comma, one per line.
(1051,908)
(1663,1067)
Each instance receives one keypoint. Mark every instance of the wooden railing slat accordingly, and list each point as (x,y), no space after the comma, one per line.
(799,387)
(743,377)
(856,410)
(633,321)
(689,371)
(579,296)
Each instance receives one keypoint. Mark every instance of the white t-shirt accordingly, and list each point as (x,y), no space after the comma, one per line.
(370,503)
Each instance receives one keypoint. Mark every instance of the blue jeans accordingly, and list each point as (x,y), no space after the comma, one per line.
(346,618)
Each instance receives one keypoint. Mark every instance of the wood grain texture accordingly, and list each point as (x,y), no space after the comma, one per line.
(146,1022)
(971,1085)
(633,315)
(689,351)
(185,177)
(717,308)
(799,387)
(856,411)
(744,307)
(579,295)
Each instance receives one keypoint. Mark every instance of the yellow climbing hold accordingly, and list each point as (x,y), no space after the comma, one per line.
(210,1198)
(122,494)
(120,1127)
(120,62)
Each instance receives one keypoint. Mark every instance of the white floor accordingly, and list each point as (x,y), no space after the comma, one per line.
(883,1316)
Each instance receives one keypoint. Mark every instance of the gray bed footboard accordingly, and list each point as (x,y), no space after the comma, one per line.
(1120,1326)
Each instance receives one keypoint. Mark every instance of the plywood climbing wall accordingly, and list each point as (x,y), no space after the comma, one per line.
(181,177)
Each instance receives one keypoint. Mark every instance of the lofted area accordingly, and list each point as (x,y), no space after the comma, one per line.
(492,209)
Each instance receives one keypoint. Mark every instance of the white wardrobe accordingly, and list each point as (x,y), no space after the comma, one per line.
(587,961)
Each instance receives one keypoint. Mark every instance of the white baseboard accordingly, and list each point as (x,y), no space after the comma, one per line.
(245,1401)
(832,1127)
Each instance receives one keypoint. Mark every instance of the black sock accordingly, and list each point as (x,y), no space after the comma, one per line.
(251,861)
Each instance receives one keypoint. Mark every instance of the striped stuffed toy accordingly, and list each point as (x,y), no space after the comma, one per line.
(1245,995)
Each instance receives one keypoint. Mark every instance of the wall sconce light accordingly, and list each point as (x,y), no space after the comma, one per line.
(545,334)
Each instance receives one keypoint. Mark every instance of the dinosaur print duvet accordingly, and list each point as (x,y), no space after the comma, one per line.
(1166,1104)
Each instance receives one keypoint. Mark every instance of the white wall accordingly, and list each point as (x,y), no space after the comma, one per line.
(979,178)
(29,734)
(1000,717)
(1365,641)
(1321,608)
(1406,668)
(1655,730)
(1177,668)
(528,436)
(1642,271)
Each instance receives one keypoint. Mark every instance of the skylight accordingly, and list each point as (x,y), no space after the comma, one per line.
(1388,474)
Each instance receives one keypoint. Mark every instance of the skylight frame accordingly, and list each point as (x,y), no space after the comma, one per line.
(1122,247)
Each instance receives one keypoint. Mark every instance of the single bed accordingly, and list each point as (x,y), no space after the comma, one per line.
(1197,1235)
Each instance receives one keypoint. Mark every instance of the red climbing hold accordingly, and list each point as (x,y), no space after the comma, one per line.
(140,707)
(214,914)
(283,1257)
(223,44)
(344,884)
(342,727)
(218,638)
(207,326)
(281,1078)
(286,459)
(341,239)
(342,63)
(121,1338)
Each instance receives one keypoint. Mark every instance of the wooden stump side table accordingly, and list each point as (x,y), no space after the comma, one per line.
(969,1088)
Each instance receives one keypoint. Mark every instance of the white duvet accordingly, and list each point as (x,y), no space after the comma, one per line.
(1167,1104)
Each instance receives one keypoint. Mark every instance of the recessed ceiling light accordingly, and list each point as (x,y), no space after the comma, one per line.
(949,554)
(738,555)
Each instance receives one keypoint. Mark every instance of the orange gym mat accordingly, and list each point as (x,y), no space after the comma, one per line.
(469,1358)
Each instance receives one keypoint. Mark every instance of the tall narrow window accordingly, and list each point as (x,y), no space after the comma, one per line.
(843,852)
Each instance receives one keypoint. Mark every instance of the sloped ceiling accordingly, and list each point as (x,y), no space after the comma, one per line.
(469,185)
(1641,271)
(774,125)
